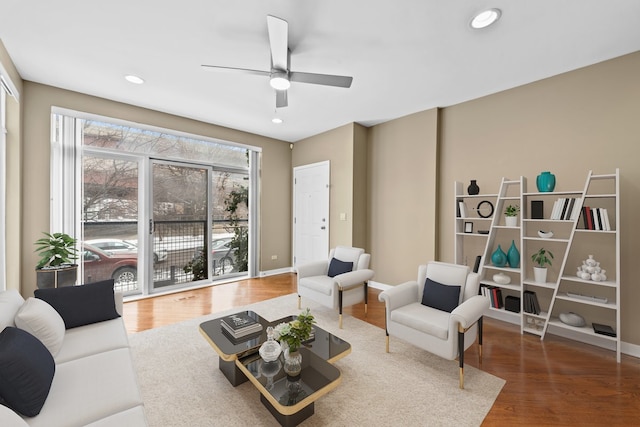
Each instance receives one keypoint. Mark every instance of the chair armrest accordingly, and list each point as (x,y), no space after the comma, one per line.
(399,295)
(353,279)
(313,268)
(470,311)
(117,296)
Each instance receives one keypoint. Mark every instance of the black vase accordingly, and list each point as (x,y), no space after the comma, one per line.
(473,188)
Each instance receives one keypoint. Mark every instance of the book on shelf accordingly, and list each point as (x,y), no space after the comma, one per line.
(601,329)
(566,208)
(531,304)
(494,294)
(462,208)
(595,219)
(240,325)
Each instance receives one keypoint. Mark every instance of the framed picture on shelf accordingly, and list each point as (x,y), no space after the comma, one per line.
(468,227)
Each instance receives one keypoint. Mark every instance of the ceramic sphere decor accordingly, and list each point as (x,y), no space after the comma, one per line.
(501,279)
(473,188)
(546,182)
(572,319)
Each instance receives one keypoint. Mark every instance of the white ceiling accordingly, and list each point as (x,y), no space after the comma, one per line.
(405,56)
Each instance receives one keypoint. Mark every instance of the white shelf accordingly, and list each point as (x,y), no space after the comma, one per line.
(497,285)
(565,247)
(608,305)
(587,330)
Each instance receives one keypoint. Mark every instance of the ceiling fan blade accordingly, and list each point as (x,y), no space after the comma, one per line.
(244,70)
(279,42)
(321,79)
(281,98)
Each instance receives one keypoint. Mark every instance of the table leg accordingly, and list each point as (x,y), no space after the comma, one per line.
(289,420)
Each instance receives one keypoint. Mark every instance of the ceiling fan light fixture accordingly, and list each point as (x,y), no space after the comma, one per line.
(485,18)
(280,80)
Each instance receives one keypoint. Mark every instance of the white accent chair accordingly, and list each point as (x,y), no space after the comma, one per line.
(446,334)
(343,289)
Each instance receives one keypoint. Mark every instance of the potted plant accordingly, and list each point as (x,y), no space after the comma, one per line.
(291,336)
(541,259)
(56,268)
(511,215)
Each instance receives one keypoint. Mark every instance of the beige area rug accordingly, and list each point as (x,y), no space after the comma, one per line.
(182,386)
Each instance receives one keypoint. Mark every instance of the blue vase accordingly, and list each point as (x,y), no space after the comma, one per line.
(499,258)
(513,256)
(546,182)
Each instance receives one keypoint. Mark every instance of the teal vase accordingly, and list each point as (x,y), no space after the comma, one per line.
(546,182)
(513,256)
(499,258)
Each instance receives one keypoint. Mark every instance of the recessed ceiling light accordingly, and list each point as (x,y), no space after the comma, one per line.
(485,18)
(276,120)
(133,79)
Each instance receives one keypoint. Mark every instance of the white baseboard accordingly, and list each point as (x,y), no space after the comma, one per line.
(276,271)
(625,348)
(377,285)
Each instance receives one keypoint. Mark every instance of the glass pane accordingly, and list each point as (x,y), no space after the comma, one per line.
(110,221)
(118,137)
(230,215)
(180,223)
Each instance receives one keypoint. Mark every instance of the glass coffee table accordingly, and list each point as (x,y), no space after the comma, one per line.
(289,400)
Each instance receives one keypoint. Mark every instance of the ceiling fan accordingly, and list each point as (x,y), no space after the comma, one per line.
(280,76)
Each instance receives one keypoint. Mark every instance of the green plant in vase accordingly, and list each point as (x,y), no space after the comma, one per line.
(541,259)
(512,210)
(511,215)
(55,250)
(56,268)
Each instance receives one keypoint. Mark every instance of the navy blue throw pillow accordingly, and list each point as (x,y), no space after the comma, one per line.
(82,305)
(339,267)
(26,371)
(439,296)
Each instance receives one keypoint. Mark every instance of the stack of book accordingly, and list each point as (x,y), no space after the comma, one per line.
(566,208)
(595,219)
(494,294)
(240,325)
(531,304)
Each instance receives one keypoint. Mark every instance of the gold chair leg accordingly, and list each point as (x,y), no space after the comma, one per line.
(387,343)
(366,309)
(340,321)
(299,301)
(462,378)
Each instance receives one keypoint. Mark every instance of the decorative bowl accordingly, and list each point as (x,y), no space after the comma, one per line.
(501,279)
(545,234)
(572,319)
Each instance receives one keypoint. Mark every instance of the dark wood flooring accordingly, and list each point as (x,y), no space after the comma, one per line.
(552,382)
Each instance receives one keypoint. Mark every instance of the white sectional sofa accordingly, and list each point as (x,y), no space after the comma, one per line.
(94,382)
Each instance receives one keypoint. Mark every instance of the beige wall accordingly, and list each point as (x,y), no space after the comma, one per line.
(37,102)
(402,195)
(336,146)
(567,124)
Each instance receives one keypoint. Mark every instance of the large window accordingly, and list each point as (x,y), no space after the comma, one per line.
(3,187)
(155,210)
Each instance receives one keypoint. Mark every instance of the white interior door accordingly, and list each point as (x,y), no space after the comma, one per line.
(310,212)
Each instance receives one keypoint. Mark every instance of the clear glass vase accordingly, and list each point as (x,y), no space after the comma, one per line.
(292,363)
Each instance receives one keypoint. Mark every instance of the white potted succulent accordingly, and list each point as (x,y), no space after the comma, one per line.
(56,268)
(541,259)
(511,215)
